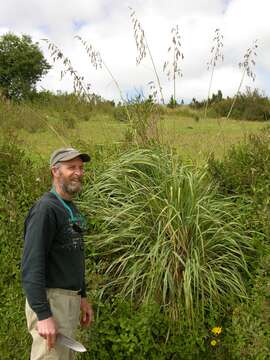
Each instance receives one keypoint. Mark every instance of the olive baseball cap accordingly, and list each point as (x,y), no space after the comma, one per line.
(66,154)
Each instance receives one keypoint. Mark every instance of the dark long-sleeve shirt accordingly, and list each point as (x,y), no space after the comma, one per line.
(53,255)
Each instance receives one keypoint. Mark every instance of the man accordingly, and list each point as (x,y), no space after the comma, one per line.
(53,260)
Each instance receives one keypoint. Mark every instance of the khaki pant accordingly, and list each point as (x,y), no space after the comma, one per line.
(65,307)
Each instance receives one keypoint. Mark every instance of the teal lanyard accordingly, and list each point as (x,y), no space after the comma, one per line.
(72,217)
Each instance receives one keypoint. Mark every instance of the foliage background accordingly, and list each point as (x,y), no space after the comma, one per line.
(124,329)
(120,330)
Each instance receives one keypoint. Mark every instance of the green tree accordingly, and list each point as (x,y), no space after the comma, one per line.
(216,97)
(22,64)
(172,103)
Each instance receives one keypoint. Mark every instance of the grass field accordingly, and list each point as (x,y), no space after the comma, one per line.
(193,140)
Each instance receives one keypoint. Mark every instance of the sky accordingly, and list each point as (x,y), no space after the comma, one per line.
(107,26)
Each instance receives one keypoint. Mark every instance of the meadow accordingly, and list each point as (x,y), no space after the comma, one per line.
(192,136)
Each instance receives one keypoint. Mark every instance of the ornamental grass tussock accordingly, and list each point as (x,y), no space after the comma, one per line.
(163,234)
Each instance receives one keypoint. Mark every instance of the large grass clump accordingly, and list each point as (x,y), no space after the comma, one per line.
(163,234)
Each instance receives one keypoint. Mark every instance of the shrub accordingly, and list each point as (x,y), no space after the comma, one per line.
(124,332)
(21,183)
(245,172)
(251,105)
(248,331)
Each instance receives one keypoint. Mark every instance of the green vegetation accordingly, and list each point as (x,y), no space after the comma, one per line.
(249,105)
(143,207)
(22,64)
(50,121)
(244,173)
(164,235)
(176,199)
(21,183)
(177,255)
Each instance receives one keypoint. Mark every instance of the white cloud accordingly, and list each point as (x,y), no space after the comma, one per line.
(107,25)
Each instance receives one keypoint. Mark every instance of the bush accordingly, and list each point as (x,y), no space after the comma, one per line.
(251,105)
(124,332)
(245,172)
(21,183)
(247,336)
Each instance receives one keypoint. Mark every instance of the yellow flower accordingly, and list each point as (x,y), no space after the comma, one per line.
(217,330)
(213,343)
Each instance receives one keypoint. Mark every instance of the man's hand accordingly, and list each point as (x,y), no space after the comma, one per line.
(87,313)
(48,330)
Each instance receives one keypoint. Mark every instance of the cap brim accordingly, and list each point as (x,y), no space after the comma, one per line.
(84,157)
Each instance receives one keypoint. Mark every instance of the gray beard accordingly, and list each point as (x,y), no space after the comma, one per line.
(71,189)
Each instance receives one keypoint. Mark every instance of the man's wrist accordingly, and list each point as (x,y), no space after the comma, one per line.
(44,315)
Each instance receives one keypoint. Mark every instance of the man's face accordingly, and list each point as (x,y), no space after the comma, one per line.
(69,176)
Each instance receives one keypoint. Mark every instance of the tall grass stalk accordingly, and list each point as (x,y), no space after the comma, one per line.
(98,62)
(164,235)
(143,48)
(80,89)
(216,55)
(172,67)
(247,66)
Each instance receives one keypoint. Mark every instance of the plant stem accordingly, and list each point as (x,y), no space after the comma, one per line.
(235,96)
(111,75)
(174,65)
(119,89)
(209,89)
(155,70)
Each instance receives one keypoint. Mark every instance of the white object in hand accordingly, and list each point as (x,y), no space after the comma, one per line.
(70,343)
